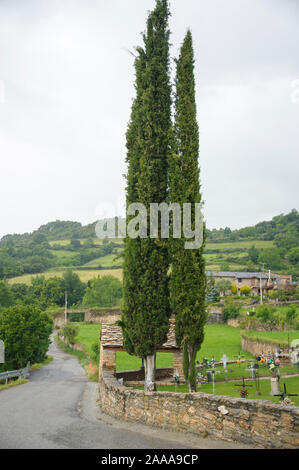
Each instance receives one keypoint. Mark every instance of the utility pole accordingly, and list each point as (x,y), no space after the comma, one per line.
(65,308)
(261,286)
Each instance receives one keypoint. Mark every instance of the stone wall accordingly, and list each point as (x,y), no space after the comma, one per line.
(259,423)
(109,315)
(138,375)
(256,347)
(214,314)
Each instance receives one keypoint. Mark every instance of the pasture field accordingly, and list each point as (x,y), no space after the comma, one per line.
(239,245)
(83,275)
(105,261)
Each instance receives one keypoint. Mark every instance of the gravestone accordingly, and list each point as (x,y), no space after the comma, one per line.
(2,352)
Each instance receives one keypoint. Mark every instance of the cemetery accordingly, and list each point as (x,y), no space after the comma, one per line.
(240,398)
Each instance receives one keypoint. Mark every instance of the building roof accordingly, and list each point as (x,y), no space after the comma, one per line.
(111,337)
(240,275)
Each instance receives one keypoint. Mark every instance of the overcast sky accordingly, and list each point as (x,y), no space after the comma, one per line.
(66,87)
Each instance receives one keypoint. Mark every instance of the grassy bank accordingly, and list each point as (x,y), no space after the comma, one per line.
(13,383)
(275,337)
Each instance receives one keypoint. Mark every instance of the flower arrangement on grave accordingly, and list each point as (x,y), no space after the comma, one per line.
(287,402)
(273,366)
(244,393)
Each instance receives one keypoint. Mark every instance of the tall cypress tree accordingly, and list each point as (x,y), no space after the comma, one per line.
(188,280)
(145,319)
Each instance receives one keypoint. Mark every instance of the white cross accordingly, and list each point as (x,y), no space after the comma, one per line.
(224,359)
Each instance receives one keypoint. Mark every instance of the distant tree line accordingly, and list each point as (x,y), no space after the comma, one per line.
(105,291)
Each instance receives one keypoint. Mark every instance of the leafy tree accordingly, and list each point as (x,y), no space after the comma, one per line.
(253,254)
(6,295)
(75,244)
(145,319)
(74,287)
(272,258)
(26,332)
(223,285)
(188,279)
(103,291)
(291,314)
(294,255)
(52,292)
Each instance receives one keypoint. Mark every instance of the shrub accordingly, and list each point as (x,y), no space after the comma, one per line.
(69,331)
(231,310)
(26,332)
(245,290)
(234,289)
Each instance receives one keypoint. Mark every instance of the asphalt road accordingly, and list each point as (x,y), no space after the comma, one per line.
(57,409)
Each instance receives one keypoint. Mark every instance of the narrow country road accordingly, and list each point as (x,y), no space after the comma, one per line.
(57,409)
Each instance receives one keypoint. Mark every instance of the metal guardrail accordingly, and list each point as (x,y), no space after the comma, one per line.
(24,373)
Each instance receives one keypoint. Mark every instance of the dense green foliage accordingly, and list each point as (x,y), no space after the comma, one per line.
(44,293)
(25,331)
(145,308)
(103,291)
(188,279)
(270,317)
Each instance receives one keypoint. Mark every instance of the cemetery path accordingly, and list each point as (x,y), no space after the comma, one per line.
(57,409)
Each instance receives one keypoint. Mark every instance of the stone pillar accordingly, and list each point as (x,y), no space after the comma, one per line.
(178,364)
(107,360)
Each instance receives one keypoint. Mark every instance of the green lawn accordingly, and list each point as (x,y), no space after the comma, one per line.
(229,389)
(88,335)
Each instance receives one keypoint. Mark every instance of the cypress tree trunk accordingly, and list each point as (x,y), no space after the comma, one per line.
(145,318)
(188,280)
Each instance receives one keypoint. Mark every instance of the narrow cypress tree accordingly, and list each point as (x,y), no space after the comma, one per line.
(188,280)
(145,319)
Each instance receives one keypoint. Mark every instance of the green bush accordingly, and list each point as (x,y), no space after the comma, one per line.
(26,332)
(69,331)
(231,309)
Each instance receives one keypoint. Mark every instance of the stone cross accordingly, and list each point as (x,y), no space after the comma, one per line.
(2,352)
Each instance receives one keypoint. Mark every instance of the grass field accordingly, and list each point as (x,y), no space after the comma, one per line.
(105,262)
(83,275)
(240,244)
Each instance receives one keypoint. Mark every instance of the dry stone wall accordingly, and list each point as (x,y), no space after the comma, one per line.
(259,423)
(256,347)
